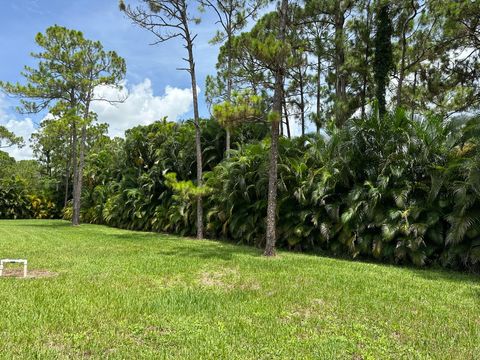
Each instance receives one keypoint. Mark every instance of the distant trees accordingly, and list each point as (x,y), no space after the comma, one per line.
(166,20)
(433,56)
(69,69)
(232,16)
(400,186)
(267,45)
(25,191)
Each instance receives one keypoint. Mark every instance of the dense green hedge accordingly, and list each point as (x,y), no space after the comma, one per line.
(396,190)
(17,203)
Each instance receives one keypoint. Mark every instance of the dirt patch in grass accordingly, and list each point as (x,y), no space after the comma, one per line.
(142,335)
(56,346)
(171,281)
(157,330)
(31,274)
(218,278)
(316,308)
(226,278)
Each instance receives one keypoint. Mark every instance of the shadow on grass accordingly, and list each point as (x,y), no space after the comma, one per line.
(434,272)
(216,249)
(446,275)
(188,247)
(46,224)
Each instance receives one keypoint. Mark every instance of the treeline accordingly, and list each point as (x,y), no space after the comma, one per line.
(25,191)
(396,189)
(390,170)
(339,56)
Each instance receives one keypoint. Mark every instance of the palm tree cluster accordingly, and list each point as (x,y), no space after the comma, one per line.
(392,188)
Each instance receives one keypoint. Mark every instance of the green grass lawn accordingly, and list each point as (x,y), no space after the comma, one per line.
(109,293)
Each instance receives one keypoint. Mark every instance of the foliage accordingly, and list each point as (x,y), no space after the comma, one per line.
(8,139)
(25,192)
(393,189)
(16,203)
(400,186)
(244,107)
(68,71)
(130,183)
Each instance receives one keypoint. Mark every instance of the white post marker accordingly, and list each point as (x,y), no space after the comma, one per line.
(14,261)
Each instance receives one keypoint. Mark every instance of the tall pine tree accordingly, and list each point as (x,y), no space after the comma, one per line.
(383,60)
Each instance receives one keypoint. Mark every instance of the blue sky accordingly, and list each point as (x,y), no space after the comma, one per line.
(153,82)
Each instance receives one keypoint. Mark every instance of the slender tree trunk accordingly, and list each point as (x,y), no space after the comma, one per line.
(67,182)
(401,73)
(319,86)
(287,120)
(68,168)
(78,182)
(229,87)
(272,186)
(227,142)
(271,236)
(77,191)
(198,144)
(340,81)
(75,218)
(48,166)
(302,101)
(367,67)
(414,94)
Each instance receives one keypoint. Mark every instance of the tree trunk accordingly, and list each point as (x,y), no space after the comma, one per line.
(77,191)
(302,101)
(272,185)
(78,181)
(319,85)
(198,144)
(227,142)
(271,236)
(414,93)
(75,219)
(340,81)
(229,88)
(287,120)
(367,67)
(67,182)
(401,73)
(68,168)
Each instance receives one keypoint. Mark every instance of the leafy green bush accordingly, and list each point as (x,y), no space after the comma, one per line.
(396,190)
(17,203)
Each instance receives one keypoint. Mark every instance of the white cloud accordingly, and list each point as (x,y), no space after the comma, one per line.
(23,128)
(141,107)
